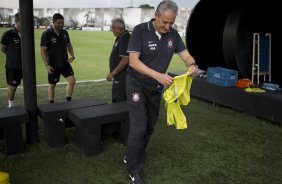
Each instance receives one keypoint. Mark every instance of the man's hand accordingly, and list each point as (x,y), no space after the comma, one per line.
(70,60)
(50,69)
(164,79)
(110,77)
(193,70)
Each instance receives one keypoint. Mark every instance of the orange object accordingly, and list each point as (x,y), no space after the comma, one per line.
(244,83)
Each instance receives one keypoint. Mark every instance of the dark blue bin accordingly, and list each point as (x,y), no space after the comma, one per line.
(222,76)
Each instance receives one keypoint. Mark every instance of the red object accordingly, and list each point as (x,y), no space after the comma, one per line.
(244,83)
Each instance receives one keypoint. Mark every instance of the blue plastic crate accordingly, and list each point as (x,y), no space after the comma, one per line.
(222,76)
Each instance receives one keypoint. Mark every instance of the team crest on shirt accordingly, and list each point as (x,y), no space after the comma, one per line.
(170,43)
(135,97)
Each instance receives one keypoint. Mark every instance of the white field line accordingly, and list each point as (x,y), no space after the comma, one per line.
(63,83)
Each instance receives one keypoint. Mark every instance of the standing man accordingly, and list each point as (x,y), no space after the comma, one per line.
(118,60)
(55,46)
(151,47)
(11,46)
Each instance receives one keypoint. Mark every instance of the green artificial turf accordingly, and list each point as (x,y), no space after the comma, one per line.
(92,50)
(220,146)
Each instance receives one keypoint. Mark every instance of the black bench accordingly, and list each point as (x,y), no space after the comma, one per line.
(89,122)
(11,120)
(55,118)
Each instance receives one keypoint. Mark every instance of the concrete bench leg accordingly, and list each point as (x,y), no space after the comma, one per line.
(1,133)
(54,131)
(14,139)
(88,141)
(69,123)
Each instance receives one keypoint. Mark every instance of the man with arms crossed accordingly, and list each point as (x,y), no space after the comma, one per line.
(11,46)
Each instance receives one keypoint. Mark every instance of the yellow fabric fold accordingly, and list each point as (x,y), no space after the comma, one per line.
(176,95)
(254,90)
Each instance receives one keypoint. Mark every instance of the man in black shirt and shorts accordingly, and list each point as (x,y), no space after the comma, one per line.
(118,60)
(55,46)
(151,48)
(11,46)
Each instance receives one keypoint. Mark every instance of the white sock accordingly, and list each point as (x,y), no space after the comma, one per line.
(11,103)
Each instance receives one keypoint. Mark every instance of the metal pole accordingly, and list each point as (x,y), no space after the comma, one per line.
(28,67)
(253,57)
(269,56)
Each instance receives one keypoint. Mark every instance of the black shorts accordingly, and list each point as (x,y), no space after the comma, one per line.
(66,71)
(14,76)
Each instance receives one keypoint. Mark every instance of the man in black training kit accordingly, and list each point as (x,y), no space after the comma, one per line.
(11,46)
(151,47)
(55,46)
(118,60)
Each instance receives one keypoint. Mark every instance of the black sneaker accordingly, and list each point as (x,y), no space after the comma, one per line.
(136,179)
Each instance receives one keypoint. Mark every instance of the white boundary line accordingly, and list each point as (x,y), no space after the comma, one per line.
(63,83)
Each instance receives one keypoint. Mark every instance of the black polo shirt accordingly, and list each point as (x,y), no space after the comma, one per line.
(12,40)
(56,45)
(119,50)
(154,52)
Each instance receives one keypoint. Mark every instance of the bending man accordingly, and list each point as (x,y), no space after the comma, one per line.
(151,47)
